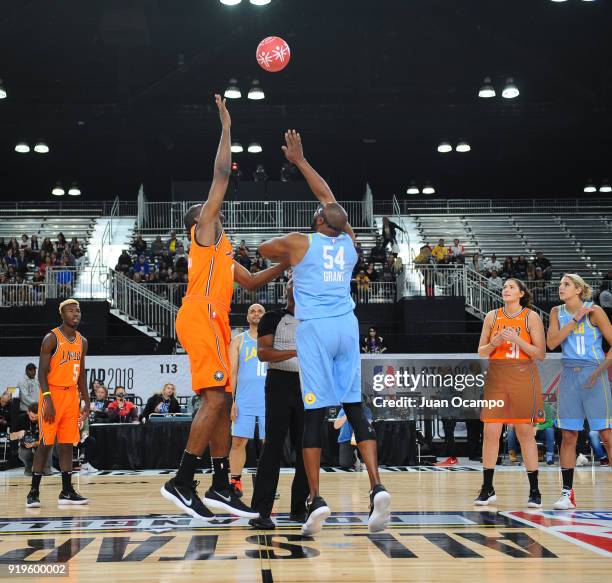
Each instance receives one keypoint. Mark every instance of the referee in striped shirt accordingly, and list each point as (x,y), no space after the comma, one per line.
(284,412)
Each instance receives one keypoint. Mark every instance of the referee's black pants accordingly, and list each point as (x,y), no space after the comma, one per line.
(284,411)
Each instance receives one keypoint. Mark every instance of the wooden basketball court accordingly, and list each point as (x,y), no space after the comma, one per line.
(130,533)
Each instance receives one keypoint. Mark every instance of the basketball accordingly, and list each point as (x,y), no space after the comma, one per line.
(273,54)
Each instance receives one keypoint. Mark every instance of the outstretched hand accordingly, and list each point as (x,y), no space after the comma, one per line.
(293,150)
(226,120)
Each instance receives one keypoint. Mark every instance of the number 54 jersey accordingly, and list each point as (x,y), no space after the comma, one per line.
(322,280)
(584,341)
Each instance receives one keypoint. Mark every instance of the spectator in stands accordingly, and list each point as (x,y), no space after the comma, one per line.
(26,431)
(398,264)
(173,243)
(2,246)
(456,252)
(261,262)
(372,274)
(477,263)
(440,252)
(362,282)
(157,247)
(9,258)
(543,263)
(140,245)
(47,246)
(21,263)
(121,410)
(61,243)
(539,286)
(137,277)
(508,268)
(243,244)
(38,276)
(34,248)
(68,258)
(25,244)
(180,260)
(162,402)
(99,405)
(29,388)
(142,266)
(243,258)
(520,267)
(14,245)
(492,264)
(378,254)
(530,271)
(75,248)
(389,231)
(125,261)
(373,343)
(5,412)
(495,282)
(359,250)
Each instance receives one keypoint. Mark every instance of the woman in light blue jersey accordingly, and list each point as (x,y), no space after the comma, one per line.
(584,391)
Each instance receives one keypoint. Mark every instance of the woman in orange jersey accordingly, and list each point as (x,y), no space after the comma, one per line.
(512,339)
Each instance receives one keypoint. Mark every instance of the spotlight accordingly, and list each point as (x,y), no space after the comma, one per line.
(444,148)
(41,148)
(463,147)
(237,148)
(429,189)
(74,190)
(260,174)
(605,186)
(22,148)
(58,190)
(413,188)
(260,2)
(590,187)
(233,91)
(254,148)
(231,2)
(256,92)
(510,90)
(2,90)
(487,90)
(558,0)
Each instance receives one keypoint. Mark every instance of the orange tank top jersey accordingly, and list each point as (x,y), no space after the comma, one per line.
(211,271)
(65,365)
(520,322)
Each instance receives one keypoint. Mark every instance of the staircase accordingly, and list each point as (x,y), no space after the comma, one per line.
(111,235)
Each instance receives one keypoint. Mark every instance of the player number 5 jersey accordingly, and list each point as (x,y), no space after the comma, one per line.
(65,365)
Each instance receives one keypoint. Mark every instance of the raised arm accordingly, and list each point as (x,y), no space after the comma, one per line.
(207,222)
(252,281)
(294,153)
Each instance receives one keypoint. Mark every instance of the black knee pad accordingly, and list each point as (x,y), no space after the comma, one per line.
(313,424)
(362,428)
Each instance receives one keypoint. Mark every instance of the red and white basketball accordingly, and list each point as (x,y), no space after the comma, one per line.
(273,54)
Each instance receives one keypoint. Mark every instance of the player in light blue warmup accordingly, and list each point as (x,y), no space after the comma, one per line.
(584,389)
(327,337)
(249,407)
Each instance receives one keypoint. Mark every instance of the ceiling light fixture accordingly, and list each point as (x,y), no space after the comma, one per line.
(233,91)
(41,148)
(605,186)
(254,148)
(256,92)
(429,189)
(463,147)
(237,148)
(444,148)
(260,2)
(22,148)
(487,90)
(231,2)
(413,188)
(510,90)
(58,190)
(74,190)
(2,90)
(590,187)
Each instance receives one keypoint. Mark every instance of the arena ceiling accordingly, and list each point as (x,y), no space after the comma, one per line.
(122,91)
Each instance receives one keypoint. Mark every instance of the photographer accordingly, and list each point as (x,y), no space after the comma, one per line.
(162,402)
(26,432)
(120,410)
(5,412)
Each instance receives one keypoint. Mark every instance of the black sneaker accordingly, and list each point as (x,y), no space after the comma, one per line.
(187,499)
(71,498)
(535,499)
(299,517)
(317,512)
(33,500)
(485,497)
(262,523)
(380,500)
(228,501)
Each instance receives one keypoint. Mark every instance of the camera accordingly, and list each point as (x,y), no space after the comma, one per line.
(28,439)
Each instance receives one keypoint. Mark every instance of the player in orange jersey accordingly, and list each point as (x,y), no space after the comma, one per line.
(61,373)
(202,326)
(513,339)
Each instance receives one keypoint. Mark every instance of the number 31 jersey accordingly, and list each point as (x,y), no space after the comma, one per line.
(520,323)
(322,280)
(65,365)
(584,341)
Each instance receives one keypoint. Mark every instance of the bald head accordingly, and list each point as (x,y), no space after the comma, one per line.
(331,218)
(191,217)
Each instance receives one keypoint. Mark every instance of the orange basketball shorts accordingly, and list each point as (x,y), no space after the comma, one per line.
(517,388)
(65,427)
(205,334)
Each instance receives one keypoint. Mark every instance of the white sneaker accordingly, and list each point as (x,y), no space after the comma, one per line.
(582,460)
(88,468)
(566,501)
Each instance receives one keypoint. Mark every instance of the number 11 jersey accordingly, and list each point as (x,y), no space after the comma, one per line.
(584,341)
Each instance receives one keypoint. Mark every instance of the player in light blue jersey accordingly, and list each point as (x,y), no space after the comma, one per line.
(249,406)
(584,390)
(327,338)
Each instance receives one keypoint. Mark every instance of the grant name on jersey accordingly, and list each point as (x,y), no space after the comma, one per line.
(333,276)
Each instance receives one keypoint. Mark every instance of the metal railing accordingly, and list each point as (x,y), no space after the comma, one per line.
(22,294)
(267,215)
(434,280)
(68,208)
(138,303)
(60,281)
(527,206)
